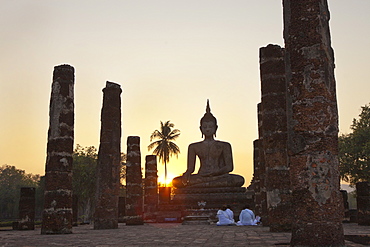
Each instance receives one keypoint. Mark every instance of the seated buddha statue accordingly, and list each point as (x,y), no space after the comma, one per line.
(216,161)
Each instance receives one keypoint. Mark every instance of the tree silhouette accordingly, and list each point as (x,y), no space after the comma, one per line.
(11,181)
(165,147)
(354,150)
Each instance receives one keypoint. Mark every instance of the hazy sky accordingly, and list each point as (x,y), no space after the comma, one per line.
(169,57)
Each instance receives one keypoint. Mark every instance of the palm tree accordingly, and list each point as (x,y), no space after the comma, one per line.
(164,146)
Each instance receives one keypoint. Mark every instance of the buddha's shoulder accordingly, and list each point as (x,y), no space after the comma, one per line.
(217,142)
(223,143)
(194,144)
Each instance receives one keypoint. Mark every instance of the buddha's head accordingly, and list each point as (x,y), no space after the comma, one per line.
(208,123)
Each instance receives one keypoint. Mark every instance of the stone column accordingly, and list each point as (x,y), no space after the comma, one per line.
(57,214)
(256,186)
(274,128)
(345,203)
(150,188)
(27,209)
(109,159)
(262,167)
(164,194)
(312,125)
(121,209)
(74,210)
(363,203)
(134,189)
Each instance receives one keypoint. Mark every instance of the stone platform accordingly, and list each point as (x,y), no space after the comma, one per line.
(211,199)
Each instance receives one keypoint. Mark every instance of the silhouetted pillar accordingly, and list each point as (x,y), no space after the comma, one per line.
(74,210)
(121,209)
(109,159)
(363,203)
(312,125)
(256,178)
(57,214)
(274,128)
(345,203)
(27,209)
(134,189)
(262,167)
(150,188)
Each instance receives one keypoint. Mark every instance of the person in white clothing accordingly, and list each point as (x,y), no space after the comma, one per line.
(230,213)
(247,217)
(224,218)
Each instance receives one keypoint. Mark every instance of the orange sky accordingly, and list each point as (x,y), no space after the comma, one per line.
(169,57)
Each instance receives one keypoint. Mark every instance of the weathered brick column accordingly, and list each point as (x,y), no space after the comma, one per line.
(312,125)
(74,210)
(134,188)
(27,209)
(274,128)
(150,188)
(109,159)
(121,209)
(256,182)
(363,203)
(57,214)
(345,203)
(262,167)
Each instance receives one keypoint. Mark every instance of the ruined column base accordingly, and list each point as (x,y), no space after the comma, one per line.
(310,234)
(134,220)
(100,224)
(59,223)
(26,225)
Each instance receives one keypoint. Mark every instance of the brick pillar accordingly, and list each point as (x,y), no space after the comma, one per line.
(164,194)
(74,210)
(121,209)
(262,168)
(109,159)
(27,209)
(134,189)
(274,128)
(57,214)
(363,203)
(150,188)
(345,203)
(312,125)
(256,183)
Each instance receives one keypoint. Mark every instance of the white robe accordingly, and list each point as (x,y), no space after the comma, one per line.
(231,215)
(247,218)
(224,218)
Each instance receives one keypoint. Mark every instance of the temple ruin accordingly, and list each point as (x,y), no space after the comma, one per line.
(274,141)
(57,214)
(27,209)
(298,128)
(150,188)
(296,178)
(109,159)
(134,188)
(312,125)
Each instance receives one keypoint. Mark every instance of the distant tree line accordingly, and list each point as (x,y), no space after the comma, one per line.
(83,182)
(11,181)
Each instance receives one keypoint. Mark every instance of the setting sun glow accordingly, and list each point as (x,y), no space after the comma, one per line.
(162,182)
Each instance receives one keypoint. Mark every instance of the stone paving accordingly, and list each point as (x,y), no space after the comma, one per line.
(161,234)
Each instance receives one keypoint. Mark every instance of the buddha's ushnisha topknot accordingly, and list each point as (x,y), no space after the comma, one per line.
(208,115)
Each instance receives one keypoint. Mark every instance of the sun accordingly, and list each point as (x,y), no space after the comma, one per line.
(162,182)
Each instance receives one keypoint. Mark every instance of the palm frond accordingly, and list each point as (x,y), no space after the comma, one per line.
(156,135)
(173,136)
(154,145)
